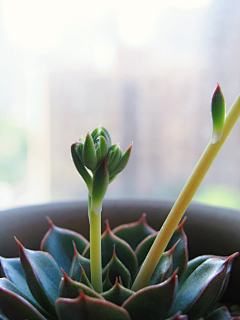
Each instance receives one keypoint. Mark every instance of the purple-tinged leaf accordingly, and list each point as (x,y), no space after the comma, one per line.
(117,294)
(78,263)
(6,284)
(16,307)
(42,275)
(12,269)
(135,232)
(202,288)
(180,253)
(70,289)
(116,269)
(87,308)
(164,268)
(153,302)
(107,284)
(58,242)
(144,246)
(221,314)
(123,250)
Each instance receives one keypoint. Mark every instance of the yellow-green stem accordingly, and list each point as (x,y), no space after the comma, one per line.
(95,248)
(183,200)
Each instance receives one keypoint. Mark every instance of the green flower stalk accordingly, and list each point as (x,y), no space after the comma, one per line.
(98,162)
(221,130)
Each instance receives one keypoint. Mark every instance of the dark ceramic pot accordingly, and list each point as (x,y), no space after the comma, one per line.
(210,230)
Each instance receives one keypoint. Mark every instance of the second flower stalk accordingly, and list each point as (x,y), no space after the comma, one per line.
(98,162)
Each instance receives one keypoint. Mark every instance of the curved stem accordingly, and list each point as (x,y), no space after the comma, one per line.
(95,248)
(184,199)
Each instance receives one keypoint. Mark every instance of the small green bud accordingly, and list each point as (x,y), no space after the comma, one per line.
(80,149)
(89,153)
(101,149)
(218,114)
(99,187)
(122,162)
(116,155)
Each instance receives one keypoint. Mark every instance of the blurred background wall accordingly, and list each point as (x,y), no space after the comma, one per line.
(145,69)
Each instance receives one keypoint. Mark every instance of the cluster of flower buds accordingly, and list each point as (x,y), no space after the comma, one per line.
(98,156)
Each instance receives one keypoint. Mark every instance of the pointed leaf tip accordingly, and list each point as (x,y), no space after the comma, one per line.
(218,114)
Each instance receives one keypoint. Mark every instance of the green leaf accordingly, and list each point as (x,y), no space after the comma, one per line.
(117,269)
(42,275)
(79,149)
(180,253)
(88,308)
(220,314)
(12,269)
(124,252)
(153,302)
(78,262)
(218,114)
(59,243)
(117,294)
(144,246)
(163,268)
(135,232)
(69,288)
(6,284)
(107,284)
(16,307)
(80,168)
(99,187)
(202,288)
(89,153)
(122,163)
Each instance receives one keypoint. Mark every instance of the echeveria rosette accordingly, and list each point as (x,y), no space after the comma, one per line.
(34,287)
(98,162)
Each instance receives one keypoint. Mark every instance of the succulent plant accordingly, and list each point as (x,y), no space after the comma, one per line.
(130,273)
(55,283)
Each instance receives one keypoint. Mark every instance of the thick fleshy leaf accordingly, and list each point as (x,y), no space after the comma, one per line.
(89,153)
(143,247)
(122,163)
(153,302)
(164,268)
(135,232)
(84,279)
(180,253)
(59,243)
(78,262)
(124,252)
(70,289)
(12,269)
(42,275)
(17,308)
(191,266)
(6,284)
(117,294)
(116,269)
(87,308)
(202,288)
(107,284)
(221,314)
